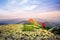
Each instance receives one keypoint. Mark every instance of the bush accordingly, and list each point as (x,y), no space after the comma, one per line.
(28,28)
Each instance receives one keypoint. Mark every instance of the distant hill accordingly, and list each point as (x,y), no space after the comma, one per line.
(48,24)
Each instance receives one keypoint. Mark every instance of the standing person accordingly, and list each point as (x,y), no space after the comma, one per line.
(43,25)
(33,21)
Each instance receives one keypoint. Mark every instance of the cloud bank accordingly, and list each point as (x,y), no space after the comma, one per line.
(10,9)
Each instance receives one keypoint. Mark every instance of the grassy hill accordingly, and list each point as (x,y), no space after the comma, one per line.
(25,32)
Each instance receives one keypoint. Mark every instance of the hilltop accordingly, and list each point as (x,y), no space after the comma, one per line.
(25,32)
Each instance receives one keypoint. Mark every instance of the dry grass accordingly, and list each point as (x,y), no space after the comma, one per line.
(14,32)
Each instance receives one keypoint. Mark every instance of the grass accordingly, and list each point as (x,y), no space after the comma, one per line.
(28,28)
(31,27)
(15,31)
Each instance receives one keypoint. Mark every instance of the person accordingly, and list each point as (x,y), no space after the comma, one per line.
(33,21)
(43,25)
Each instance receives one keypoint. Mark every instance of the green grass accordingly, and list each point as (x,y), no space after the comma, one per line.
(31,27)
(47,28)
(28,28)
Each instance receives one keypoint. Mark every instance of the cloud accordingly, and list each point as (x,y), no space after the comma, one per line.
(28,5)
(29,8)
(21,5)
(17,15)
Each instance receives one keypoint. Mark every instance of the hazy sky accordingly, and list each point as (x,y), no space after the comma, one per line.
(46,9)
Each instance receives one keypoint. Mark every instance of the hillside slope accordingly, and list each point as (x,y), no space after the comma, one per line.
(15,32)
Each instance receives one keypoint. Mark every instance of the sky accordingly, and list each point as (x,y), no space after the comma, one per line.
(15,9)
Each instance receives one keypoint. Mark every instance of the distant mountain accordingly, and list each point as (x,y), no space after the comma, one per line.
(48,23)
(14,21)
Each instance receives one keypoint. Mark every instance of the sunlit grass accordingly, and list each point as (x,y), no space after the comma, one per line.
(17,31)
